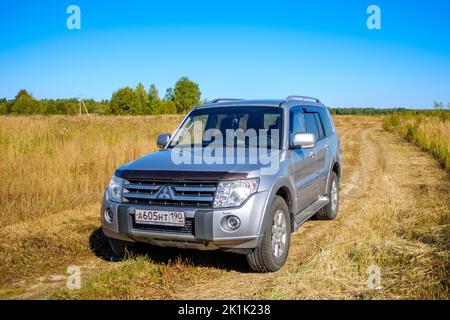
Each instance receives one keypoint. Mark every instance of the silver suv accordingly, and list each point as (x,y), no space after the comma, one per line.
(236,175)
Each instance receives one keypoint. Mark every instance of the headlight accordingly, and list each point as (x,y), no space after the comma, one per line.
(114,191)
(234,193)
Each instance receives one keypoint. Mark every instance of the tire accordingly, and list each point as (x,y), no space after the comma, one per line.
(120,248)
(268,257)
(330,211)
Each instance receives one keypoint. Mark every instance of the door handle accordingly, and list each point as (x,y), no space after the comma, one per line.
(311,155)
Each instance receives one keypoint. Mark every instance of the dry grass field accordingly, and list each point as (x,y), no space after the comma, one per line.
(49,164)
(431,132)
(394,215)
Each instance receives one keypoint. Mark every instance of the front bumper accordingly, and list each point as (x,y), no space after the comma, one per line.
(204,230)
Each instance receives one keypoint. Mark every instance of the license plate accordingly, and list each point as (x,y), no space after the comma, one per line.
(156,217)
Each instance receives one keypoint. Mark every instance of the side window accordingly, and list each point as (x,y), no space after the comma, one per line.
(311,125)
(319,125)
(297,122)
(326,121)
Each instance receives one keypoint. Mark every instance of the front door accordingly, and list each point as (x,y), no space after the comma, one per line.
(304,163)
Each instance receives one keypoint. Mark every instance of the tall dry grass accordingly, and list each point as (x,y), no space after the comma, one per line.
(49,164)
(430,132)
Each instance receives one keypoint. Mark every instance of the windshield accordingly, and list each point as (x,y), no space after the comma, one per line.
(231,127)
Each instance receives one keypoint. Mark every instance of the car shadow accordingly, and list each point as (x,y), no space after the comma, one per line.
(99,245)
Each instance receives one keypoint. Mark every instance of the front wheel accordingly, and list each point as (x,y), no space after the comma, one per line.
(273,250)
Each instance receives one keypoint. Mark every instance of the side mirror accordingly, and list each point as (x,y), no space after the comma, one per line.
(304,140)
(162,140)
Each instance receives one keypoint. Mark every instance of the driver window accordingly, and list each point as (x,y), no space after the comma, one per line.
(297,123)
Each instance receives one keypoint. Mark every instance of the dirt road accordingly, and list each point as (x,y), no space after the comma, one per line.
(393,230)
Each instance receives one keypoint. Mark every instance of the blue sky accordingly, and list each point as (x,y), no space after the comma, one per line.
(245,49)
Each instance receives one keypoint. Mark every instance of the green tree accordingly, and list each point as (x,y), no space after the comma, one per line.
(101,107)
(169,94)
(44,106)
(3,108)
(166,107)
(141,97)
(438,105)
(123,101)
(155,100)
(23,94)
(186,95)
(72,107)
(24,103)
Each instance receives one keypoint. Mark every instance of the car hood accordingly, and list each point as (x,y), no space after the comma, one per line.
(179,164)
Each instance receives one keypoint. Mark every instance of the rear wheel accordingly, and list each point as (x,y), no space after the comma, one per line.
(329,212)
(272,253)
(120,248)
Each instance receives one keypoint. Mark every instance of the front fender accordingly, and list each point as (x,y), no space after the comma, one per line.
(282,182)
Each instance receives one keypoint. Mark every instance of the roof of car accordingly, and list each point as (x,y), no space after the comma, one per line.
(260,103)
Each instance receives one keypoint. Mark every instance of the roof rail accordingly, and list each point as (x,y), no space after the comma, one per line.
(302,98)
(224,100)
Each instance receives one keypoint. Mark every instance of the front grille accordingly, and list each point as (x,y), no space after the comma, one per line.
(167,193)
(187,229)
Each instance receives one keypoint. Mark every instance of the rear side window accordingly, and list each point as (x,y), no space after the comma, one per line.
(326,121)
(319,125)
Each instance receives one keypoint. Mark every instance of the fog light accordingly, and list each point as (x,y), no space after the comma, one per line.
(233,222)
(109,215)
(230,223)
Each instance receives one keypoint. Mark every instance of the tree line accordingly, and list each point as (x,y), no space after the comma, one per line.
(138,101)
(125,101)
(437,106)
(364,111)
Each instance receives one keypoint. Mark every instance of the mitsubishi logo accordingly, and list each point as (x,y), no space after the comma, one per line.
(165,193)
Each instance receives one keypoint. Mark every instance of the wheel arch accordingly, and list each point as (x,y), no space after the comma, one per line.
(284,189)
(286,194)
(337,169)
